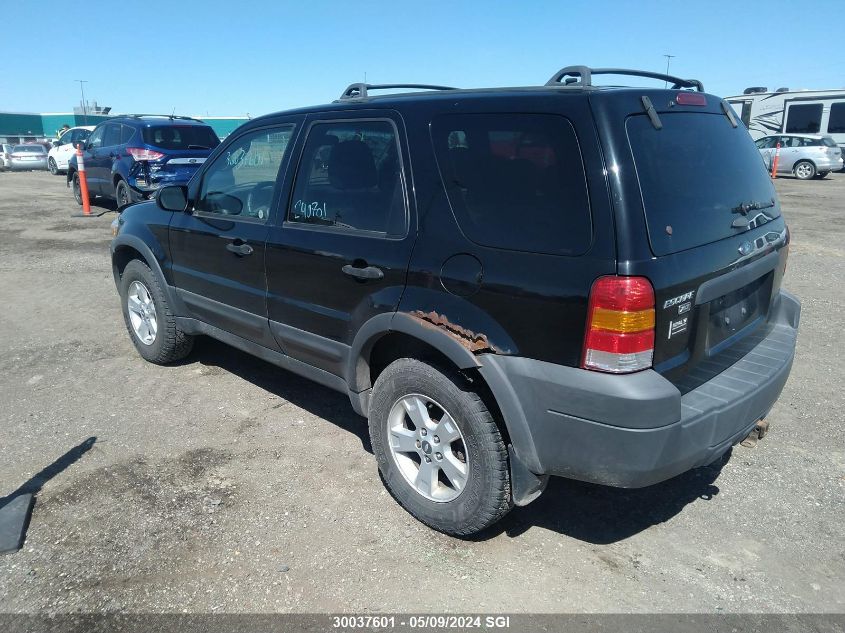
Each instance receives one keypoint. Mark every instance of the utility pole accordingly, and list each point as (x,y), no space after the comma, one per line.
(84,105)
(668,59)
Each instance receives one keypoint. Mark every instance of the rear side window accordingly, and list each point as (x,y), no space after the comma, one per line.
(693,174)
(515,181)
(836,121)
(111,136)
(126,133)
(805,118)
(829,142)
(181,137)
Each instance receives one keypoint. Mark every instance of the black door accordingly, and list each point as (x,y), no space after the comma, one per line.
(218,246)
(340,253)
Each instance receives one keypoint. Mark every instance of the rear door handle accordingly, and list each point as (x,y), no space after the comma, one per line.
(239,249)
(370,272)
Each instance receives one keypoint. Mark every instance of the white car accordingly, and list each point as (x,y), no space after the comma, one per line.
(64,148)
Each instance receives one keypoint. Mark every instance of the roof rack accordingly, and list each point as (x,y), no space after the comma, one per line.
(361,90)
(163,116)
(582,76)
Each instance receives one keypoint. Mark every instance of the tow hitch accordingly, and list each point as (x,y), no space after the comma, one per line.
(758,433)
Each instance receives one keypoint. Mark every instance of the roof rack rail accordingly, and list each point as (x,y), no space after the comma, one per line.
(163,116)
(582,76)
(361,90)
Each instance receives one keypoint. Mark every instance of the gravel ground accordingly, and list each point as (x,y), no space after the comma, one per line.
(225,484)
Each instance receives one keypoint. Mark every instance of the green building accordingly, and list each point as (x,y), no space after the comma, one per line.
(22,127)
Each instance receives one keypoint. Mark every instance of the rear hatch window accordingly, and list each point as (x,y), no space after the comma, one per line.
(697,174)
(35,149)
(181,137)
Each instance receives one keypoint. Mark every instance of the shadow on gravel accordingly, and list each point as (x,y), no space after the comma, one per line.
(35,483)
(14,522)
(314,398)
(601,515)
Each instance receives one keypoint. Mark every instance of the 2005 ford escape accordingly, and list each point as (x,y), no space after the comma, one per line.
(514,283)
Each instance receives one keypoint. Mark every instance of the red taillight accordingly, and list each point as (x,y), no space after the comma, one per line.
(620,325)
(691,98)
(139,153)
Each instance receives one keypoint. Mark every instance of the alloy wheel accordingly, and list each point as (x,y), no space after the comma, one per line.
(428,448)
(142,313)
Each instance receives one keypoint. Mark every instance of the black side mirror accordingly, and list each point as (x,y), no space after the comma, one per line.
(172,198)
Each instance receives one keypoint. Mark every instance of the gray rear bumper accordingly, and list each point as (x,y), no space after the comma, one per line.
(637,430)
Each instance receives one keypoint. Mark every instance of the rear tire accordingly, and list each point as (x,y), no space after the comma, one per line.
(804,170)
(77,190)
(455,477)
(51,165)
(121,194)
(165,343)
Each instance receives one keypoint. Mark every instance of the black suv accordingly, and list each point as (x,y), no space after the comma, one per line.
(513,283)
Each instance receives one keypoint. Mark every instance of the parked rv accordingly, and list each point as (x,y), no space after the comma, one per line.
(792,111)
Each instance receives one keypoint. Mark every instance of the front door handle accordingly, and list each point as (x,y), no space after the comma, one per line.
(367,273)
(239,249)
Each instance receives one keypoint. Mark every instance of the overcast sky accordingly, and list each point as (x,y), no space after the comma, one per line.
(257,56)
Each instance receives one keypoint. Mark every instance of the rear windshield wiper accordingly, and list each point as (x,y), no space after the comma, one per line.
(744,207)
(198,147)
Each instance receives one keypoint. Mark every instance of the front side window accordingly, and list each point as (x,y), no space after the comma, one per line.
(836,121)
(515,181)
(241,181)
(349,177)
(96,138)
(804,118)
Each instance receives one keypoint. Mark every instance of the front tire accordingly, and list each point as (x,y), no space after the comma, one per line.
(438,448)
(52,166)
(804,170)
(148,317)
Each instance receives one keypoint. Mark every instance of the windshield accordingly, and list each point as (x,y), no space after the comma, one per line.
(696,175)
(37,149)
(181,137)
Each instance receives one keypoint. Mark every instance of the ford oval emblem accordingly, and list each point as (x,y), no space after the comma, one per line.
(745,248)
(192,160)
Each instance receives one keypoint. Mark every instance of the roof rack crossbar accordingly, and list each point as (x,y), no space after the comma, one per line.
(582,76)
(361,90)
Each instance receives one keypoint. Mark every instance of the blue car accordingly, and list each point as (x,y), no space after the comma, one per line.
(129,157)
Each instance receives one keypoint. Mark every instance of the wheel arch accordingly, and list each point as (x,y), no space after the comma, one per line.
(127,247)
(382,330)
(387,337)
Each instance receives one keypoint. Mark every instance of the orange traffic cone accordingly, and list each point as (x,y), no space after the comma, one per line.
(83,185)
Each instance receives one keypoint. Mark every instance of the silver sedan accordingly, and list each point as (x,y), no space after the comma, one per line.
(803,155)
(27,157)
